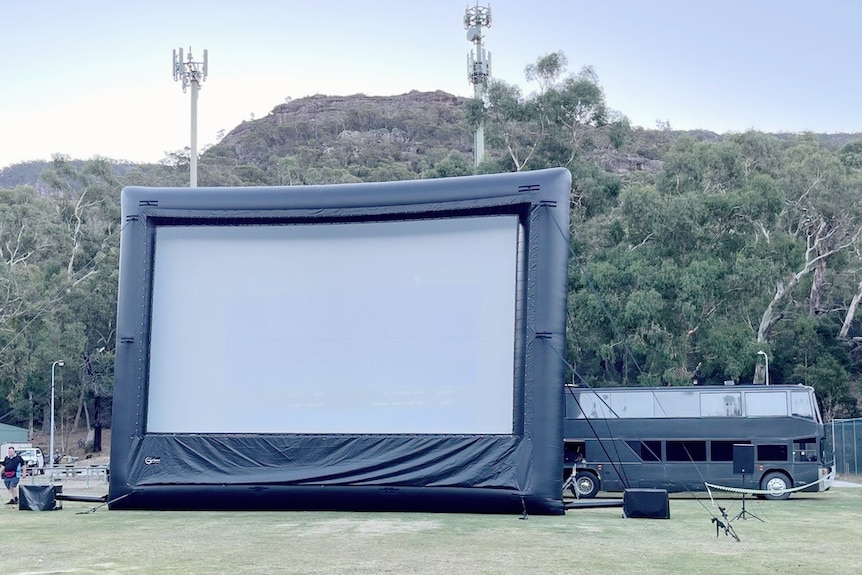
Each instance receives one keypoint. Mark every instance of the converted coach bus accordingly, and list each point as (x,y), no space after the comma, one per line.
(679,438)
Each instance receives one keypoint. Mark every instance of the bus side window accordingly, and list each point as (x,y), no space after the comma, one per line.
(805,450)
(574,452)
(646,450)
(769,452)
(721,404)
(766,403)
(691,450)
(723,450)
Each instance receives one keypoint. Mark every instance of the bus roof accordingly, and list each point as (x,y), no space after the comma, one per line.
(745,386)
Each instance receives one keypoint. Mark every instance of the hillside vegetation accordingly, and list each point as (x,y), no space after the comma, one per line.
(691,251)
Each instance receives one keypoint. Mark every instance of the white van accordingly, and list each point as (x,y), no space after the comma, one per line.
(34,458)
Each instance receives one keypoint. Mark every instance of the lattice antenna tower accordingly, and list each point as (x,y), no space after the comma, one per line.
(478,66)
(191,73)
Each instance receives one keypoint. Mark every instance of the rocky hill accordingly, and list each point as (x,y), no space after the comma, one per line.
(337,139)
(399,126)
(333,139)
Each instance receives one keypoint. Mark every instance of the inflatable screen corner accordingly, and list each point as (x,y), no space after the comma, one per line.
(391,346)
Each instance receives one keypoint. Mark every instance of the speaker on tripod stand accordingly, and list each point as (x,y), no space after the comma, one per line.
(743,464)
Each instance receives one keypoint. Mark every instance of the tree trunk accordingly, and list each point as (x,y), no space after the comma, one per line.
(759,374)
(78,410)
(768,318)
(816,255)
(31,423)
(97,424)
(818,282)
(851,312)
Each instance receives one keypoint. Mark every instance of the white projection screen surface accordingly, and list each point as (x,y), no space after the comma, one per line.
(390,327)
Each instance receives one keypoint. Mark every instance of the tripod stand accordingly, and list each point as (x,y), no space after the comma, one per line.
(719,524)
(745,514)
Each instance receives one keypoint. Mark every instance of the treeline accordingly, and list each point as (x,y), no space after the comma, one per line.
(59,249)
(738,247)
(683,275)
(689,255)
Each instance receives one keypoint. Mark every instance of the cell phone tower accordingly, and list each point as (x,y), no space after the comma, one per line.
(478,66)
(191,73)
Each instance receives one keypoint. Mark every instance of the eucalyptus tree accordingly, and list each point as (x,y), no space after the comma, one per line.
(575,112)
(689,267)
(71,273)
(736,246)
(30,232)
(823,213)
(851,158)
(512,123)
(552,126)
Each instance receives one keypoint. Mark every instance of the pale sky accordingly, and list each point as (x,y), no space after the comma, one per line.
(93,77)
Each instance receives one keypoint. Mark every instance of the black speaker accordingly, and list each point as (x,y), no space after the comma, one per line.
(743,458)
(646,503)
(37,498)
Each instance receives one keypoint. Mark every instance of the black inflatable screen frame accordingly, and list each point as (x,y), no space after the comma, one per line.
(476,473)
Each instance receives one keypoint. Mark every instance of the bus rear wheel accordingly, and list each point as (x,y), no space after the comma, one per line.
(776,484)
(586,485)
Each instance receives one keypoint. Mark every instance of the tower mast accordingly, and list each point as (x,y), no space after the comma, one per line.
(478,66)
(191,73)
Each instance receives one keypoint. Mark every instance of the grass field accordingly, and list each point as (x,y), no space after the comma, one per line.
(809,533)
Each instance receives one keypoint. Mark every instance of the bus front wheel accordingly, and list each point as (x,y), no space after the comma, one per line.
(776,484)
(586,484)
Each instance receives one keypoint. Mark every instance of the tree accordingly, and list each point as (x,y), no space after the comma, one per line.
(67,245)
(553,126)
(455,164)
(807,355)
(575,108)
(850,155)
(817,214)
(512,123)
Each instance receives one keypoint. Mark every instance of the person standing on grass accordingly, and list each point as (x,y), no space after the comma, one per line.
(13,468)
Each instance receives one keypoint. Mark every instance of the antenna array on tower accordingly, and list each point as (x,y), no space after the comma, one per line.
(478,60)
(189,71)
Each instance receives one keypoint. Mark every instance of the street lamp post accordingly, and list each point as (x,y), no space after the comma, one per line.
(766,357)
(51,444)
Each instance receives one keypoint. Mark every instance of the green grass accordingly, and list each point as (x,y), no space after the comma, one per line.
(809,533)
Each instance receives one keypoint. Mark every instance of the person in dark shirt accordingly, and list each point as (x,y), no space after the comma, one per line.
(13,468)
